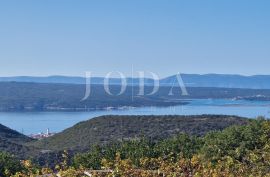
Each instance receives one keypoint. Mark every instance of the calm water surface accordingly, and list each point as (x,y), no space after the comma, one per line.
(35,122)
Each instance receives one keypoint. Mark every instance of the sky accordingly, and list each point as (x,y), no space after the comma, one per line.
(67,37)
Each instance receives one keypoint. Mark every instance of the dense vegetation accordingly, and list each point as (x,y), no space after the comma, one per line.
(112,128)
(236,151)
(108,129)
(12,135)
(14,142)
(68,97)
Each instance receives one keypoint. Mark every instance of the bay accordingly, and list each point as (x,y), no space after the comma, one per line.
(36,122)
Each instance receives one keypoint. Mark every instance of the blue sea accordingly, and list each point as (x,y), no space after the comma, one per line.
(36,122)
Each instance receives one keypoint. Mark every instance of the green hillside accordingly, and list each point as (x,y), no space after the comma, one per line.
(13,142)
(238,150)
(106,129)
(13,136)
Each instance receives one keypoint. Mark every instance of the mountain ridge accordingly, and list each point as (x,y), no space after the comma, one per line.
(190,80)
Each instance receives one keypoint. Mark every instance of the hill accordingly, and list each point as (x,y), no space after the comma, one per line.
(16,96)
(13,142)
(235,151)
(19,96)
(106,129)
(13,136)
(222,81)
(191,80)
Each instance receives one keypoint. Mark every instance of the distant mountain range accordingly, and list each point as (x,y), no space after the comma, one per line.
(190,80)
(222,81)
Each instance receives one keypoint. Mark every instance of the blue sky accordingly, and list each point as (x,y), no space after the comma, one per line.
(67,37)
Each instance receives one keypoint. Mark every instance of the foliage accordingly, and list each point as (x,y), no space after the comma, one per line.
(8,164)
(14,142)
(236,151)
(112,128)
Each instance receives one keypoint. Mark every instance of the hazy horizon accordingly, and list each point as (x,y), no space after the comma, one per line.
(134,76)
